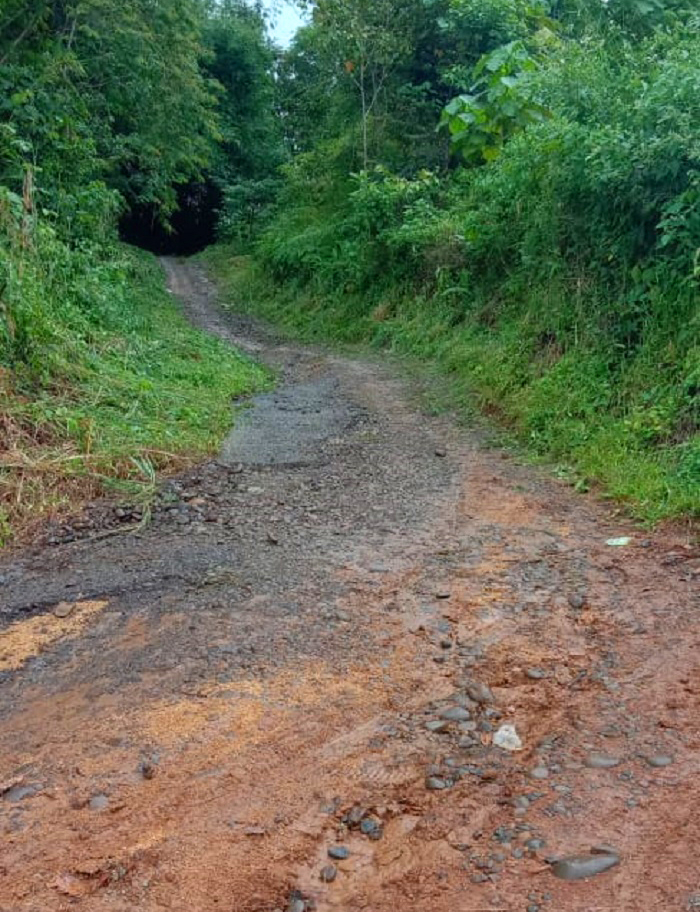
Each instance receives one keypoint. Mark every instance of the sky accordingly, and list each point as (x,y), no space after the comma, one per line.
(286,19)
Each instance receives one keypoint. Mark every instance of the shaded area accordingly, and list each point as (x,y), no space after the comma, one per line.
(191,228)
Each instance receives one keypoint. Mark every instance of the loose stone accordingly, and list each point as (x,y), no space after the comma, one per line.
(578,867)
(480,693)
(338,853)
(437,725)
(19,792)
(455,714)
(63,610)
(535,844)
(468,742)
(329,874)
(507,738)
(600,761)
(435,784)
(372,828)
(539,772)
(355,815)
(659,760)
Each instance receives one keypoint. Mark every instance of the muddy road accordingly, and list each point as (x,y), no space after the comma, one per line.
(286,690)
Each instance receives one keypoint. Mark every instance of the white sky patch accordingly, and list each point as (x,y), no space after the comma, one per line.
(285,20)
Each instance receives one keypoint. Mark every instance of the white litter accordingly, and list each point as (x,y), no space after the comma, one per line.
(507,738)
(619,542)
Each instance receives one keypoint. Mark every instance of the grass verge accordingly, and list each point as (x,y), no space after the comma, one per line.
(609,428)
(131,391)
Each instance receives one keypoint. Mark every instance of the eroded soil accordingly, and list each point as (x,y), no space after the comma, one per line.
(195,710)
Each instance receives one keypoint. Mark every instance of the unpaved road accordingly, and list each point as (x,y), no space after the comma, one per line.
(194,712)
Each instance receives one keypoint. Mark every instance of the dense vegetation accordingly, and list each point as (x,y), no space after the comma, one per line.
(110,110)
(507,189)
(511,190)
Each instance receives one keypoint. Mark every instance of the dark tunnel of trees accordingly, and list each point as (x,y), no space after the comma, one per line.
(190,229)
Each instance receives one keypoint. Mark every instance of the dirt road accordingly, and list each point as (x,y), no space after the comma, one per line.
(308,652)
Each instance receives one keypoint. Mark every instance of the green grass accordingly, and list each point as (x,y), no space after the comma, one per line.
(133,390)
(602,423)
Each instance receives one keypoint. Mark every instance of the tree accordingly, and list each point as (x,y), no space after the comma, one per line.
(365,40)
(98,89)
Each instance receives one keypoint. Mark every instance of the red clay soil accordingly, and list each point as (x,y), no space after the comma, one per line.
(195,712)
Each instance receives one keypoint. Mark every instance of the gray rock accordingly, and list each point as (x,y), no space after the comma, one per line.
(455,714)
(339,852)
(536,674)
(437,725)
(435,784)
(577,600)
(329,873)
(20,792)
(99,802)
(601,761)
(539,772)
(659,760)
(578,867)
(479,692)
(535,844)
(371,827)
(63,610)
(355,815)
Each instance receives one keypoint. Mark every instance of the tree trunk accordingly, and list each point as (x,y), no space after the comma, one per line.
(365,116)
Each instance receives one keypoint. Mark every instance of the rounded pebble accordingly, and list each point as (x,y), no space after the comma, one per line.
(600,761)
(539,772)
(338,853)
(659,760)
(435,784)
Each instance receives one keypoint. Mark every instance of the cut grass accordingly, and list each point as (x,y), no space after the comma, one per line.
(148,394)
